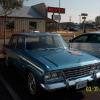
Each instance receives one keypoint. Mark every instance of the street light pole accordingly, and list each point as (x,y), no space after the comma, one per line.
(84,15)
(59,6)
(59,16)
(5,20)
(79,19)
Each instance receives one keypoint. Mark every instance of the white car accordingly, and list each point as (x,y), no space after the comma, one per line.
(88,42)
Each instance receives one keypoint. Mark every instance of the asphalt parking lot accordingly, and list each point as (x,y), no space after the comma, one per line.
(13,88)
(4,93)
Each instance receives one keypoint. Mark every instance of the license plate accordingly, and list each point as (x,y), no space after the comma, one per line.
(81,84)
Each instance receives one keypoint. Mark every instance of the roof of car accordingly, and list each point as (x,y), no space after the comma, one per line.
(35,34)
(95,32)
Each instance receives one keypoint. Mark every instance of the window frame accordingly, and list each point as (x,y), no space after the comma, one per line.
(79,37)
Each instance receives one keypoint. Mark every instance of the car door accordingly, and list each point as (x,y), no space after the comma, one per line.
(80,43)
(20,47)
(16,47)
(11,49)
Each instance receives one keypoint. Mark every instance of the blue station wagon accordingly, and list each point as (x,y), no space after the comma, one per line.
(47,62)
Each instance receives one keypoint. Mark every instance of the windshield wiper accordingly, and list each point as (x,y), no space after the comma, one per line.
(54,48)
(50,48)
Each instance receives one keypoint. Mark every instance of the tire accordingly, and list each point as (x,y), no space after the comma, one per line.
(32,84)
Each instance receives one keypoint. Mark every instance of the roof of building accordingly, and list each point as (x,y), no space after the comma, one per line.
(35,11)
(26,11)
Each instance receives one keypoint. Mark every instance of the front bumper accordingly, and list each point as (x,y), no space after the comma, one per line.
(69,83)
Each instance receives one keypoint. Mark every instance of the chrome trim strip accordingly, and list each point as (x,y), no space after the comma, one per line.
(31,63)
(68,83)
(53,86)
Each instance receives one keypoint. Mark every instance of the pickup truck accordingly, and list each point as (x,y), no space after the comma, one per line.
(46,62)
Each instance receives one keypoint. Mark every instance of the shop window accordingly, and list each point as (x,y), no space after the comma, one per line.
(32,25)
(10,25)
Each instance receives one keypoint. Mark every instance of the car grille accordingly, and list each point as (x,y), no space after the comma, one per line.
(80,71)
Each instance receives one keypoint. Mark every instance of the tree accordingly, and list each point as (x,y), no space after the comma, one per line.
(6,8)
(97,21)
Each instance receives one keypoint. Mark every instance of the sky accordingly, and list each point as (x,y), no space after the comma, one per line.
(73,8)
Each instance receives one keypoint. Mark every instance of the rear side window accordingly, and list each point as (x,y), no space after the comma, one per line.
(81,39)
(98,39)
(94,38)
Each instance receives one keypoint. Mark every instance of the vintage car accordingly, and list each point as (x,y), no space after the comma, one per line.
(45,60)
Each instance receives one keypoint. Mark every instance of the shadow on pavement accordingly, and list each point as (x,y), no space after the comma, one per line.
(63,95)
(20,88)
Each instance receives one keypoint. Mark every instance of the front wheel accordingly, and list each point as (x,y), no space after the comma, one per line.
(32,85)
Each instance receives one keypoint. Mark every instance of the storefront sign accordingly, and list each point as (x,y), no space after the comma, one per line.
(56,10)
(84,14)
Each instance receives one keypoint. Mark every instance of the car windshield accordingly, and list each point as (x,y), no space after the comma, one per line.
(45,42)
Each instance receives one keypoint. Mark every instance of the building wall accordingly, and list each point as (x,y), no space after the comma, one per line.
(22,25)
(41,25)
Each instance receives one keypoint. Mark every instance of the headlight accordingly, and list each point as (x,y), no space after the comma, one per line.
(52,75)
(98,66)
(47,76)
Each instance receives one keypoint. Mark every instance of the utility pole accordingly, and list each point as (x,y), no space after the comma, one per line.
(59,16)
(79,19)
(70,19)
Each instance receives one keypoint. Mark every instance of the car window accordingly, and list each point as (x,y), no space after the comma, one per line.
(81,39)
(39,42)
(13,42)
(98,39)
(44,42)
(94,38)
(20,42)
(47,40)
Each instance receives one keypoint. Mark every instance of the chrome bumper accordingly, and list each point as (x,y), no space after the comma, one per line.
(68,83)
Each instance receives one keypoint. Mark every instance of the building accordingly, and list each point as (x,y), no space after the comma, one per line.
(25,19)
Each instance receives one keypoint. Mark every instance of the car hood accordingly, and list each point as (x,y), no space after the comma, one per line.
(61,59)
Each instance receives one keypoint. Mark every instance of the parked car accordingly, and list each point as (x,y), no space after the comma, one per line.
(46,62)
(74,28)
(88,42)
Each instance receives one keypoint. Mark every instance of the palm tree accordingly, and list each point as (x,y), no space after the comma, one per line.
(6,8)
